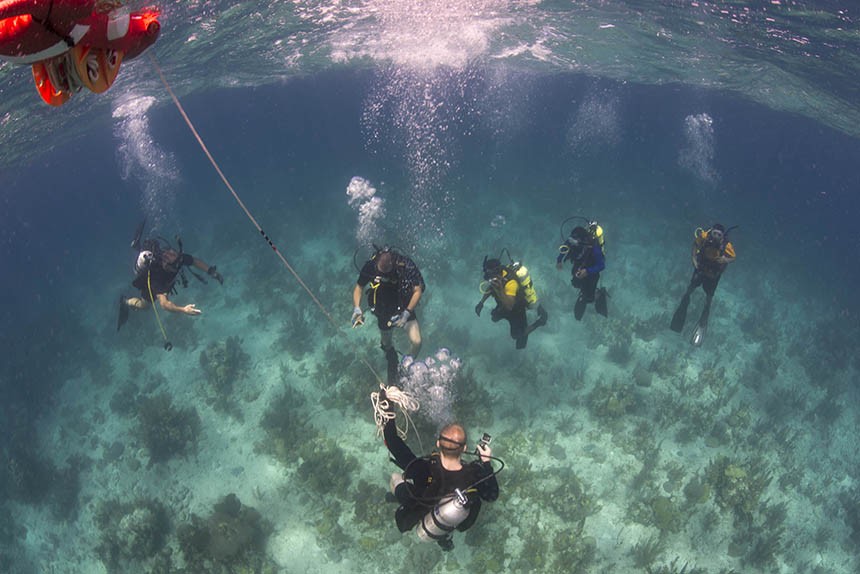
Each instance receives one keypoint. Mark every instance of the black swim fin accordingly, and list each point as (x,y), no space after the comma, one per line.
(123,313)
(138,233)
(680,316)
(600,302)
(579,308)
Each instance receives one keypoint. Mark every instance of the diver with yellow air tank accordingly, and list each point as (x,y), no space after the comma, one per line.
(584,248)
(512,288)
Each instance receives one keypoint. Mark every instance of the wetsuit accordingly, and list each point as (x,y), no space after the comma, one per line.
(389,293)
(708,270)
(589,258)
(427,480)
(516,315)
(161,279)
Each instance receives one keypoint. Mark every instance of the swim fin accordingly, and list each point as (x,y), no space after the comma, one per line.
(123,313)
(579,308)
(680,316)
(138,234)
(702,326)
(699,334)
(600,302)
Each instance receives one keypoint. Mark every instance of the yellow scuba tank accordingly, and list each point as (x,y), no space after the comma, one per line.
(525,281)
(597,232)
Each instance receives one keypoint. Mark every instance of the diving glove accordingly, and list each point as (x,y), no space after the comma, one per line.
(357,317)
(478,308)
(400,319)
(213,272)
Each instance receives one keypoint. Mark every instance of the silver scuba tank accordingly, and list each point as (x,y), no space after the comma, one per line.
(444,518)
(144,259)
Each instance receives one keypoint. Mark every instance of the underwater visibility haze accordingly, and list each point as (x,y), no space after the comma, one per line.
(451,131)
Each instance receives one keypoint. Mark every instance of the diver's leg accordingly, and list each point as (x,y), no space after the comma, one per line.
(391,359)
(413,331)
(519,326)
(579,306)
(137,302)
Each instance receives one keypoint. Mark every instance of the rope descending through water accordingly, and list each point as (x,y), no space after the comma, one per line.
(253,220)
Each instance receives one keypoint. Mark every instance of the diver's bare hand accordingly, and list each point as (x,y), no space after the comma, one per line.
(191,309)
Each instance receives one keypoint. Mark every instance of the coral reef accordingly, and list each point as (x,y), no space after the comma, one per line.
(165,430)
(573,552)
(324,465)
(225,364)
(285,423)
(231,539)
(611,401)
(737,486)
(647,551)
(130,532)
(568,498)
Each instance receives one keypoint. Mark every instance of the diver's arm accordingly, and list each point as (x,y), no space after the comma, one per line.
(168,305)
(356,295)
(695,255)
(728,255)
(489,489)
(200,264)
(416,296)
(400,452)
(210,270)
(599,261)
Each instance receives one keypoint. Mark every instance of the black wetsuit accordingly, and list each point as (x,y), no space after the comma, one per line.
(592,260)
(429,480)
(162,280)
(389,293)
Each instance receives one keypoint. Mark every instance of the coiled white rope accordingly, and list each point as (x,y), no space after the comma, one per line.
(383,409)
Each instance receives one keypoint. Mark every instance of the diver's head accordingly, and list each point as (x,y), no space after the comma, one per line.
(169,258)
(452,440)
(580,237)
(384,260)
(716,234)
(492,268)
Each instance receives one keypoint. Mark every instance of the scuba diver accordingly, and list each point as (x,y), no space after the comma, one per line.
(157,268)
(72,44)
(439,493)
(394,288)
(712,252)
(584,249)
(512,288)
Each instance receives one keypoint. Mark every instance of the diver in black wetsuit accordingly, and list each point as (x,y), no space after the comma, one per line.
(424,481)
(395,286)
(157,269)
(711,254)
(584,250)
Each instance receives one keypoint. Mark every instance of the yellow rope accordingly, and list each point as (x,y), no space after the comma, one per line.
(167,344)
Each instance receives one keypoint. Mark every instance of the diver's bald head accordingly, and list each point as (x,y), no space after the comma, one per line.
(452,439)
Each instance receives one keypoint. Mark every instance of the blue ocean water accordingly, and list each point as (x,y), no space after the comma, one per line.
(482,126)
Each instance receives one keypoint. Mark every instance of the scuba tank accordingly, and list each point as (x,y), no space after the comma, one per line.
(596,232)
(525,281)
(447,515)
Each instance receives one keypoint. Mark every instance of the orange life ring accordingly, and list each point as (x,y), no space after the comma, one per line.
(50,94)
(96,67)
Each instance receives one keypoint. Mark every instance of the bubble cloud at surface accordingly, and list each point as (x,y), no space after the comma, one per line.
(141,158)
